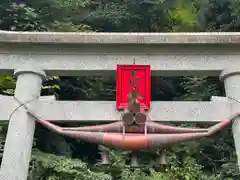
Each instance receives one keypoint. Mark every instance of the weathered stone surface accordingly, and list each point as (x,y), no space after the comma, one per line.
(120,38)
(79,54)
(105,111)
(179,111)
(8,104)
(231,80)
(18,146)
(101,60)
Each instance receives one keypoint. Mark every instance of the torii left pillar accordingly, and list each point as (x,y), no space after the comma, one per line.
(19,140)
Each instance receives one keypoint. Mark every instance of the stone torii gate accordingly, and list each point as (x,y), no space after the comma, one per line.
(32,55)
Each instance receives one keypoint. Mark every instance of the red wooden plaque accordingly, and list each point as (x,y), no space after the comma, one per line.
(129,77)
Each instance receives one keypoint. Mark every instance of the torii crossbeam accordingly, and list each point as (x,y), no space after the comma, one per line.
(76,54)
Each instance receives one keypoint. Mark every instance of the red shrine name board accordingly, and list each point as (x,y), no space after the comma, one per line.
(131,77)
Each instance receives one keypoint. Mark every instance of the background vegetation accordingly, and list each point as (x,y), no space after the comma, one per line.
(61,158)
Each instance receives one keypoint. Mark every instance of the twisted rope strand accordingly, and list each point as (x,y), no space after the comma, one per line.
(21,104)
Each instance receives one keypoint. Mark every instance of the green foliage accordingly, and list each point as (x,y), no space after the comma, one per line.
(61,15)
(188,170)
(52,167)
(218,15)
(19,17)
(200,88)
(43,15)
(182,16)
(7,85)
(130,15)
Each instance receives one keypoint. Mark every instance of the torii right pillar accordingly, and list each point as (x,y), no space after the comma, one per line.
(231,80)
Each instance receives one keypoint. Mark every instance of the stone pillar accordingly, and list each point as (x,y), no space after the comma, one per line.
(18,146)
(231,80)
